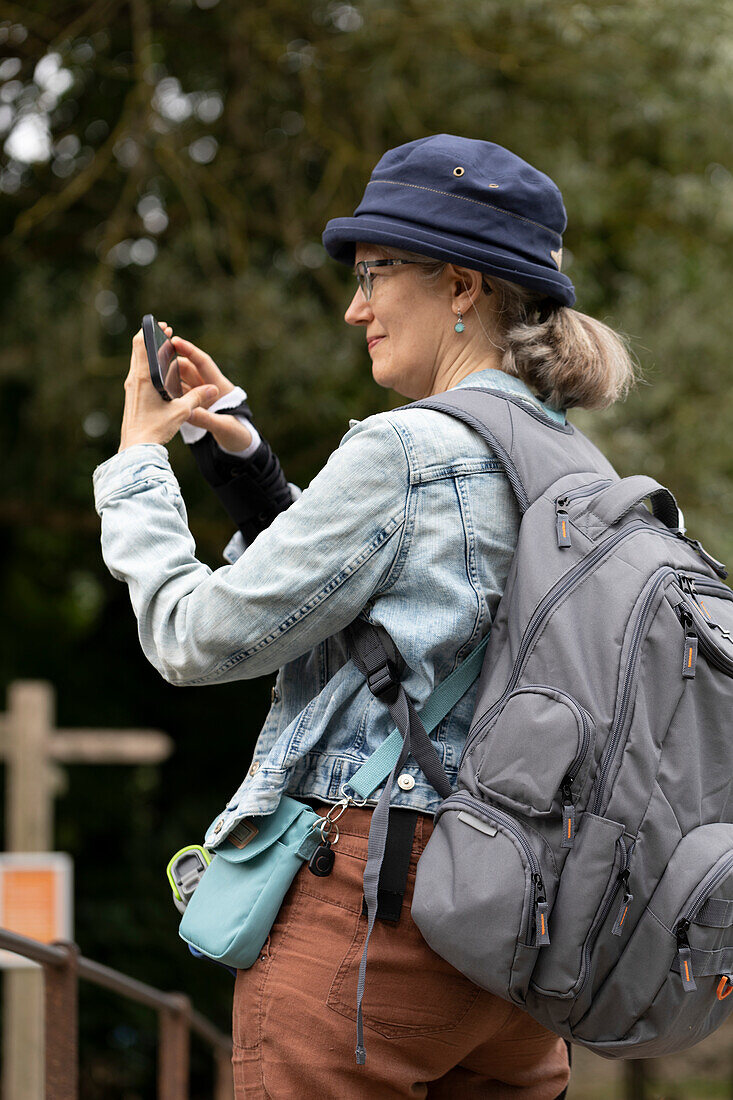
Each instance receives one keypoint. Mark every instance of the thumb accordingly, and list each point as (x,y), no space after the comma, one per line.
(198,397)
(202,418)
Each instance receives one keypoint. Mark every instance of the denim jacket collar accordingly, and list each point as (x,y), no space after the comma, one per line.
(490,378)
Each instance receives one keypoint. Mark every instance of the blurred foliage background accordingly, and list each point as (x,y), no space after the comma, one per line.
(182,159)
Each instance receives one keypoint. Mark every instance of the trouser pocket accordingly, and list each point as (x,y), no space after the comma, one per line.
(485,885)
(671,987)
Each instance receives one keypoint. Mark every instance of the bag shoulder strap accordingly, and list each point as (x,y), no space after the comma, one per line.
(383,673)
(534,449)
(445,696)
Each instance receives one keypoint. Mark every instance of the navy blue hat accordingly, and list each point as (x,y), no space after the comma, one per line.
(467,202)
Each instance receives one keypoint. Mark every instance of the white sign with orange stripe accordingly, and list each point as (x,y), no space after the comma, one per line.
(36,891)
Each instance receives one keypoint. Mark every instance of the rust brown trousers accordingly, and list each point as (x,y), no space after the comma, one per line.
(429,1031)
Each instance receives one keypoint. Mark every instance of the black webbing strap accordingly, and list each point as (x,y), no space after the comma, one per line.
(395,864)
(377,657)
(383,673)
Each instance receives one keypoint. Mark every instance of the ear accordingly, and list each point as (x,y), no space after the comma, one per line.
(466,286)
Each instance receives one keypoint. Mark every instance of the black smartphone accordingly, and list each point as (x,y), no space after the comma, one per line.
(162,361)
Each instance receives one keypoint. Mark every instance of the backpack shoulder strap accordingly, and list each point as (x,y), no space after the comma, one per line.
(534,449)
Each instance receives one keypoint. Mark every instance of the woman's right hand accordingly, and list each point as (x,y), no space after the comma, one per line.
(197,369)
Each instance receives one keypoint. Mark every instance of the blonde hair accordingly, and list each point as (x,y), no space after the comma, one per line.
(568,358)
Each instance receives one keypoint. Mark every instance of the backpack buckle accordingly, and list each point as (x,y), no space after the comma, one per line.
(383,680)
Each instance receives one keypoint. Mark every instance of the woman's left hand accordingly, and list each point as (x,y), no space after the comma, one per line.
(147,417)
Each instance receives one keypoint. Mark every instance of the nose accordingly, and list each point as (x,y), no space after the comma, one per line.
(359,311)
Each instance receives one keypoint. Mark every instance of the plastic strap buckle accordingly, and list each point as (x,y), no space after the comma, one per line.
(184,872)
(383,679)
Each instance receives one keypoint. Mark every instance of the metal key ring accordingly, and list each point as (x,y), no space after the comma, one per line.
(326,829)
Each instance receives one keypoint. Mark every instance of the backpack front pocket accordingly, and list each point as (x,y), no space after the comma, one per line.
(589,884)
(681,951)
(483,892)
(535,754)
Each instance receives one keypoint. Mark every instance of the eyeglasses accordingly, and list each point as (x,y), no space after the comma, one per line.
(364,278)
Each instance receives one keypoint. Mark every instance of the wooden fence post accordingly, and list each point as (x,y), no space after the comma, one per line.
(62,1025)
(174,1048)
(28,828)
(635,1078)
(32,749)
(223,1076)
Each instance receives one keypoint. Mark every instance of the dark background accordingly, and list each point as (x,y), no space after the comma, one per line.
(182,159)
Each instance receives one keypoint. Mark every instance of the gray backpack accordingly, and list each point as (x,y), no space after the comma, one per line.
(583,869)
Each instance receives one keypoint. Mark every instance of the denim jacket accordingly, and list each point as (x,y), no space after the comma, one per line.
(411,522)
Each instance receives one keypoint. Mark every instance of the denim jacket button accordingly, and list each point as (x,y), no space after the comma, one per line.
(255,768)
(406,782)
(219,825)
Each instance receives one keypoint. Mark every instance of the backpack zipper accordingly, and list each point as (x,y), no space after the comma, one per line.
(710,587)
(603,912)
(561,509)
(618,924)
(538,897)
(556,593)
(563,528)
(688,585)
(682,927)
(614,736)
(705,586)
(697,624)
(566,791)
(689,651)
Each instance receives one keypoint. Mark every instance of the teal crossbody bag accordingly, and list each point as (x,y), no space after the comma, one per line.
(233,907)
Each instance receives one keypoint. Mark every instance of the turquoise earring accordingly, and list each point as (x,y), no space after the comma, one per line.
(459,325)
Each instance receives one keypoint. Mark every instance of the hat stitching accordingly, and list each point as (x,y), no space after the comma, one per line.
(546,273)
(477,202)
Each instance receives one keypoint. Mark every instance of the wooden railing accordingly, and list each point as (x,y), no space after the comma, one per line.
(63,966)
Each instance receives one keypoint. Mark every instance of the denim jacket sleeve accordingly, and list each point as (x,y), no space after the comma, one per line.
(303,579)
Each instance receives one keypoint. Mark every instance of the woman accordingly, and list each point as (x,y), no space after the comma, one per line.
(457,246)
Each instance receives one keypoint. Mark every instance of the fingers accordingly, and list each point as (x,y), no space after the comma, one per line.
(196,398)
(228,431)
(202,418)
(199,358)
(138,360)
(203,363)
(189,375)
(148,419)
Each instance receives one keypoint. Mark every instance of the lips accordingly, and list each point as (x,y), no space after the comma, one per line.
(373,341)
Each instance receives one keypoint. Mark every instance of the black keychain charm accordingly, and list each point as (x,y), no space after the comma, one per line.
(322,860)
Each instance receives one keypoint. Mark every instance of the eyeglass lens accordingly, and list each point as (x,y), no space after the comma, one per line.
(364,280)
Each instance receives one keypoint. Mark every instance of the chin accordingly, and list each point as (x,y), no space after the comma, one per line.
(382,376)
(392,380)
